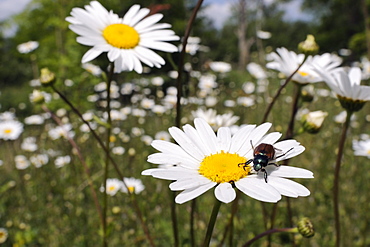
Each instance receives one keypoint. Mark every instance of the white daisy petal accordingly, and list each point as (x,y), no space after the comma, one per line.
(188,183)
(148,21)
(239,139)
(224,139)
(224,192)
(288,187)
(258,189)
(190,194)
(186,143)
(174,173)
(173,159)
(207,134)
(90,55)
(289,172)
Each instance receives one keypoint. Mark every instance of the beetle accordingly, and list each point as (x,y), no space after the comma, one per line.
(263,154)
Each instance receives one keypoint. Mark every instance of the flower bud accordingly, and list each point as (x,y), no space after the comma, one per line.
(313,121)
(305,227)
(307,94)
(309,46)
(47,77)
(37,97)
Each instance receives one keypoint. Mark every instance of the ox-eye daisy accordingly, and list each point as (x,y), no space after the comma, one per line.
(202,160)
(127,40)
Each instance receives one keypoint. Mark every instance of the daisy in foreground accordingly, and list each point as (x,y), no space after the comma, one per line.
(202,160)
(127,40)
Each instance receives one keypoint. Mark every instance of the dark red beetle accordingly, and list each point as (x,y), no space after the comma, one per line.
(263,155)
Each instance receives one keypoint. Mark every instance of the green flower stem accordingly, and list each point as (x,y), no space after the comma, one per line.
(212,222)
(269,232)
(269,107)
(337,177)
(82,160)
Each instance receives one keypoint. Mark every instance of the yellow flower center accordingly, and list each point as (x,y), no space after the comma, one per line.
(7,131)
(121,36)
(302,73)
(224,167)
(111,188)
(131,189)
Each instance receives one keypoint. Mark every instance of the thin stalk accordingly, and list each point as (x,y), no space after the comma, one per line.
(289,134)
(82,160)
(269,107)
(96,136)
(268,233)
(192,217)
(297,95)
(212,222)
(337,177)
(175,228)
(178,106)
(107,143)
(230,224)
(181,61)
(101,143)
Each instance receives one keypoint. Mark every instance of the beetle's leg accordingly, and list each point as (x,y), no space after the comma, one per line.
(284,153)
(245,164)
(265,175)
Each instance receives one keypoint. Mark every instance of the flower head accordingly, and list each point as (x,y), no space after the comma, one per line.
(347,85)
(113,185)
(202,160)
(313,121)
(133,185)
(128,40)
(28,47)
(10,130)
(288,61)
(3,235)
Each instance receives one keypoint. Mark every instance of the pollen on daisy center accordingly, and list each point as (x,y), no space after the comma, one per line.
(223,167)
(121,36)
(7,131)
(302,73)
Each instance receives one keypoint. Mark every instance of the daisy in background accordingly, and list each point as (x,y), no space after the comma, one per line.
(113,185)
(10,130)
(347,86)
(202,160)
(361,147)
(287,62)
(3,235)
(215,120)
(133,185)
(27,47)
(128,41)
